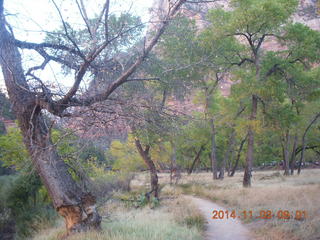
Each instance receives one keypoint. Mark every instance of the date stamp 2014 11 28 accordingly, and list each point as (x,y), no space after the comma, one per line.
(262,214)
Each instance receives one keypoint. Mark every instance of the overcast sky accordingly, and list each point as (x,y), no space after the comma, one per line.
(29,18)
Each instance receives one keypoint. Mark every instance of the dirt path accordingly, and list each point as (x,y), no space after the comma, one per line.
(220,229)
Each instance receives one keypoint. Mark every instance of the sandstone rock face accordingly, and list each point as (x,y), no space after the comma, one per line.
(308,11)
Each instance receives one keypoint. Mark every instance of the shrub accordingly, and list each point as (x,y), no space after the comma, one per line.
(24,206)
(104,183)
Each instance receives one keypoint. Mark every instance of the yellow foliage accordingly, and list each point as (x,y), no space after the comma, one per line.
(244,124)
(161,153)
(128,158)
(126,155)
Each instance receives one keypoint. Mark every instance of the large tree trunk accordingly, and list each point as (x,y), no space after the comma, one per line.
(144,153)
(175,174)
(196,160)
(229,160)
(250,150)
(285,149)
(213,155)
(293,154)
(75,205)
(214,162)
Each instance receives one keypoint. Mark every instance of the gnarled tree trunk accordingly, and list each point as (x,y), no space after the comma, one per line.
(144,153)
(75,205)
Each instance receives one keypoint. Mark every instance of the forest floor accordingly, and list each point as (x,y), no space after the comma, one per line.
(174,219)
(178,217)
(271,193)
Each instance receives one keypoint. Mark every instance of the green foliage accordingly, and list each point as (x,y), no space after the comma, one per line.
(181,51)
(65,142)
(138,200)
(284,79)
(252,16)
(13,150)
(192,137)
(69,150)
(124,31)
(141,200)
(303,42)
(5,213)
(23,189)
(268,148)
(92,152)
(24,203)
(155,202)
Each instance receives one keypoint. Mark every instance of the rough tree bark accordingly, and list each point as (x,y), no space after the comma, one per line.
(214,162)
(144,153)
(210,119)
(75,205)
(175,174)
(285,149)
(293,154)
(229,163)
(250,150)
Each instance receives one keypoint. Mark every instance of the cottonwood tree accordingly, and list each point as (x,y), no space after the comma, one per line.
(254,23)
(152,133)
(29,101)
(197,63)
(283,117)
(231,110)
(143,113)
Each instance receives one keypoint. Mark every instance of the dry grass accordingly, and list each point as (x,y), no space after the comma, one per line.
(177,219)
(170,221)
(270,191)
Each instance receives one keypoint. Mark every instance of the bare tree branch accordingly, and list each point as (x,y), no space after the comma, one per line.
(106,18)
(36,46)
(124,77)
(66,30)
(84,16)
